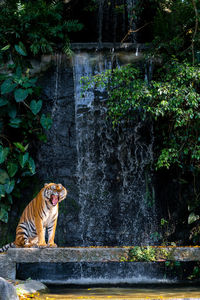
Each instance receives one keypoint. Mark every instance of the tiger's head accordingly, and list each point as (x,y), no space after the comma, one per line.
(54,193)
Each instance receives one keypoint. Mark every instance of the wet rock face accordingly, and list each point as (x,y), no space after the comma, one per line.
(104,170)
(57,159)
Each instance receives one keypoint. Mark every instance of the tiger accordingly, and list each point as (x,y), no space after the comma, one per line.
(40,214)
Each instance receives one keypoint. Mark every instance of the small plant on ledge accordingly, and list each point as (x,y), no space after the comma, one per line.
(146,253)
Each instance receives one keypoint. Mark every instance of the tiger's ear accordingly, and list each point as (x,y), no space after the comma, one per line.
(46,184)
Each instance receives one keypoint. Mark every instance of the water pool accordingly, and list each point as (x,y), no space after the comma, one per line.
(118,293)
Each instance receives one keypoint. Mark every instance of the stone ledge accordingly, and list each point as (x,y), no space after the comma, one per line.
(100,255)
(96,254)
(62,255)
(183,253)
(107,46)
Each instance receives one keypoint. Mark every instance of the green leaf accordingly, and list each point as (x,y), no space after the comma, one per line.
(36,106)
(19,49)
(15,123)
(12,168)
(163,222)
(19,72)
(3,102)
(21,95)
(26,147)
(5,48)
(2,190)
(12,112)
(46,122)
(7,86)
(9,186)
(23,158)
(196,270)
(33,81)
(30,83)
(22,46)
(3,153)
(3,176)
(31,165)
(3,215)
(192,218)
(19,146)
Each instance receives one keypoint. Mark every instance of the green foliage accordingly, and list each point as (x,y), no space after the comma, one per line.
(173,265)
(35,106)
(142,254)
(195,272)
(27,28)
(147,253)
(171,102)
(173,27)
(163,222)
(33,27)
(46,121)
(192,218)
(20,124)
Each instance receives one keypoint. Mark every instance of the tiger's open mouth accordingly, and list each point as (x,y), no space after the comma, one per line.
(54,199)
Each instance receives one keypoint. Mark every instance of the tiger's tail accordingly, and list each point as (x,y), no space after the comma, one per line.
(6,247)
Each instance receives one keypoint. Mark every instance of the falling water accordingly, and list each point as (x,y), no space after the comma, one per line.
(111,273)
(114,184)
(58,58)
(55,106)
(148,71)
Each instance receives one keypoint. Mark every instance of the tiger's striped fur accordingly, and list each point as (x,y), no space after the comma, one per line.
(40,214)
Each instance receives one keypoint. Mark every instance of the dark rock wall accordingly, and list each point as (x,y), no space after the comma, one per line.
(57,159)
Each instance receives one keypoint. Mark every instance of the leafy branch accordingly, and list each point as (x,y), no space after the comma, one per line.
(21,122)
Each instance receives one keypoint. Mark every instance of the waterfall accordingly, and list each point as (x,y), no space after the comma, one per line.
(116,207)
(58,58)
(110,273)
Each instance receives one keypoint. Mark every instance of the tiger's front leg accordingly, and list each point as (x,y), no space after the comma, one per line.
(40,232)
(51,233)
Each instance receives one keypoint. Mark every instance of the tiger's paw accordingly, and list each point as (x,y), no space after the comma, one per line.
(52,245)
(34,246)
(28,245)
(42,245)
